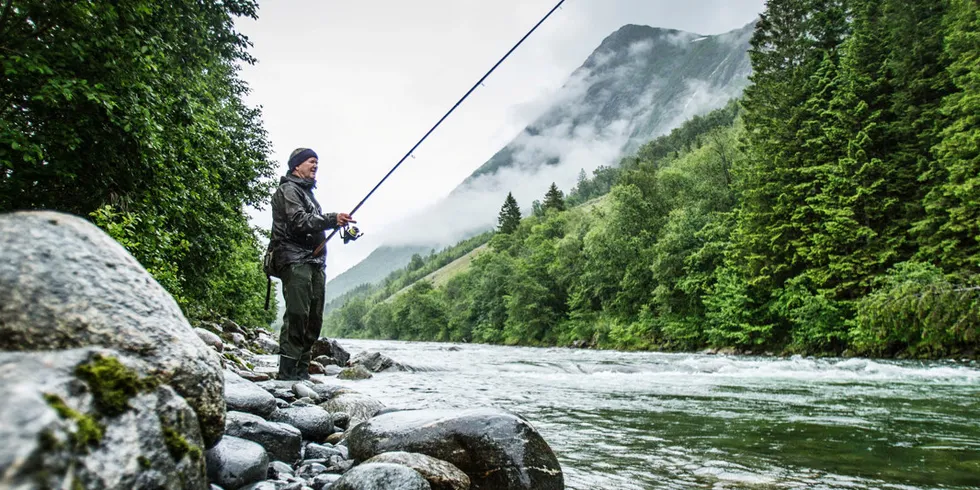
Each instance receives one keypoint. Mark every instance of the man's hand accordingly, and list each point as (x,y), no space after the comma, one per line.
(344,218)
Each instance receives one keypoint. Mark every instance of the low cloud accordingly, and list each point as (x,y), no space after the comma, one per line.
(596,118)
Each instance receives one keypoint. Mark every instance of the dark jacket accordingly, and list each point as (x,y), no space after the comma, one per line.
(297,223)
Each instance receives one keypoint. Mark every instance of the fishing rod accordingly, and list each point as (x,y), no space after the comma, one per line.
(353,234)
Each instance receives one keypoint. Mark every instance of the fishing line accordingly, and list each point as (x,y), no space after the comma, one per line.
(460,101)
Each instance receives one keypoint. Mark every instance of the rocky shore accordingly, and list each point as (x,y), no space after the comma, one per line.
(106,385)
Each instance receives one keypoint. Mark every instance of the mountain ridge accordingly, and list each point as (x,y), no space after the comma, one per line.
(639,83)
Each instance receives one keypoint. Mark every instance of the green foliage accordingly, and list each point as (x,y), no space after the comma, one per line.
(950,231)
(554,199)
(510,215)
(787,223)
(916,311)
(130,114)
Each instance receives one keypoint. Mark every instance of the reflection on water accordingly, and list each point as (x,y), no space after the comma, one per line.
(644,420)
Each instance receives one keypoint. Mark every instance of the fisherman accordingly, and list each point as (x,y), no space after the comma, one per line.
(299,255)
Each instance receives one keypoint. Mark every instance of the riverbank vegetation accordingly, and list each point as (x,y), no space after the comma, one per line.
(835,208)
(130,114)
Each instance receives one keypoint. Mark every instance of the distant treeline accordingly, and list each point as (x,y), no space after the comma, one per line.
(130,114)
(835,208)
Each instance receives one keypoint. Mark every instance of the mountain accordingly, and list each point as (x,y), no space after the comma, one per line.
(640,83)
(373,268)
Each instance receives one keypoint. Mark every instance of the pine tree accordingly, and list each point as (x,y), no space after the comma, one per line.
(554,199)
(791,43)
(950,232)
(510,215)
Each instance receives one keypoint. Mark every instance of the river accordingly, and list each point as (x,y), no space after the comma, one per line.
(620,420)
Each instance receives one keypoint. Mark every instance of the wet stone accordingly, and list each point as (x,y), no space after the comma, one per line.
(314,422)
(284,394)
(317,451)
(324,480)
(381,476)
(282,442)
(310,470)
(262,485)
(303,402)
(341,419)
(495,448)
(279,469)
(357,372)
(303,391)
(440,474)
(234,462)
(244,396)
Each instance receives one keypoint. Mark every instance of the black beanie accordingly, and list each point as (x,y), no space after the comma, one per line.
(299,156)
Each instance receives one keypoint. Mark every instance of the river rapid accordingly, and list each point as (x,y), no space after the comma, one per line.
(619,420)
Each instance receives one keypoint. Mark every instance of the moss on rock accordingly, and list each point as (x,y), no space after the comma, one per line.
(88,431)
(112,383)
(178,446)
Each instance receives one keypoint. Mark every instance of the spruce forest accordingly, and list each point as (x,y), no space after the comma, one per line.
(833,209)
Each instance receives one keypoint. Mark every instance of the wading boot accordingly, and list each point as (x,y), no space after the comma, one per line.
(287,368)
(303,366)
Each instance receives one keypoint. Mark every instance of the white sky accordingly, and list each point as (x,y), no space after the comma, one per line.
(361,81)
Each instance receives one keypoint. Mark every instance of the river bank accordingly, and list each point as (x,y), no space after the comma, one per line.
(107,385)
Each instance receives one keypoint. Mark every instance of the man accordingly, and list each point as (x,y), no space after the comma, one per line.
(298,229)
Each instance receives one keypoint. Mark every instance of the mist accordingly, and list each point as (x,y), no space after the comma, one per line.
(581,126)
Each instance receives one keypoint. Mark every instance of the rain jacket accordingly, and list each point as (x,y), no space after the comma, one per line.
(297,223)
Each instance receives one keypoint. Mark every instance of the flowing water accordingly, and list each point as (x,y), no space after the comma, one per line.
(672,421)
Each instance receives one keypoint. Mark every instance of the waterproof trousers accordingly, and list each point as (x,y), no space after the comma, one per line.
(303,287)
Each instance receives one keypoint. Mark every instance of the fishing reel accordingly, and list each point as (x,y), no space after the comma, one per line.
(350,233)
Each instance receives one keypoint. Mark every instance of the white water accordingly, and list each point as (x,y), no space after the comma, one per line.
(648,420)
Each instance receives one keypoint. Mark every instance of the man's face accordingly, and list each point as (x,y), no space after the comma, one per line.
(307,169)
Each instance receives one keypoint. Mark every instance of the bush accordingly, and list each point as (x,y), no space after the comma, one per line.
(915,311)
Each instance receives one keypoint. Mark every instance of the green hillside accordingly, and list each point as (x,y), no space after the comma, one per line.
(640,81)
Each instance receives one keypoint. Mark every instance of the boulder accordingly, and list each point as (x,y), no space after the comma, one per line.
(210,338)
(326,361)
(376,362)
(244,396)
(318,451)
(237,339)
(262,485)
(358,406)
(279,470)
(495,448)
(314,422)
(234,463)
(93,418)
(381,476)
(266,344)
(64,284)
(341,420)
(317,368)
(330,348)
(231,327)
(282,442)
(324,480)
(440,474)
(303,391)
(355,373)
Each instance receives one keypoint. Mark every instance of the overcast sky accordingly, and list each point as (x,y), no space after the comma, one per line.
(361,81)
